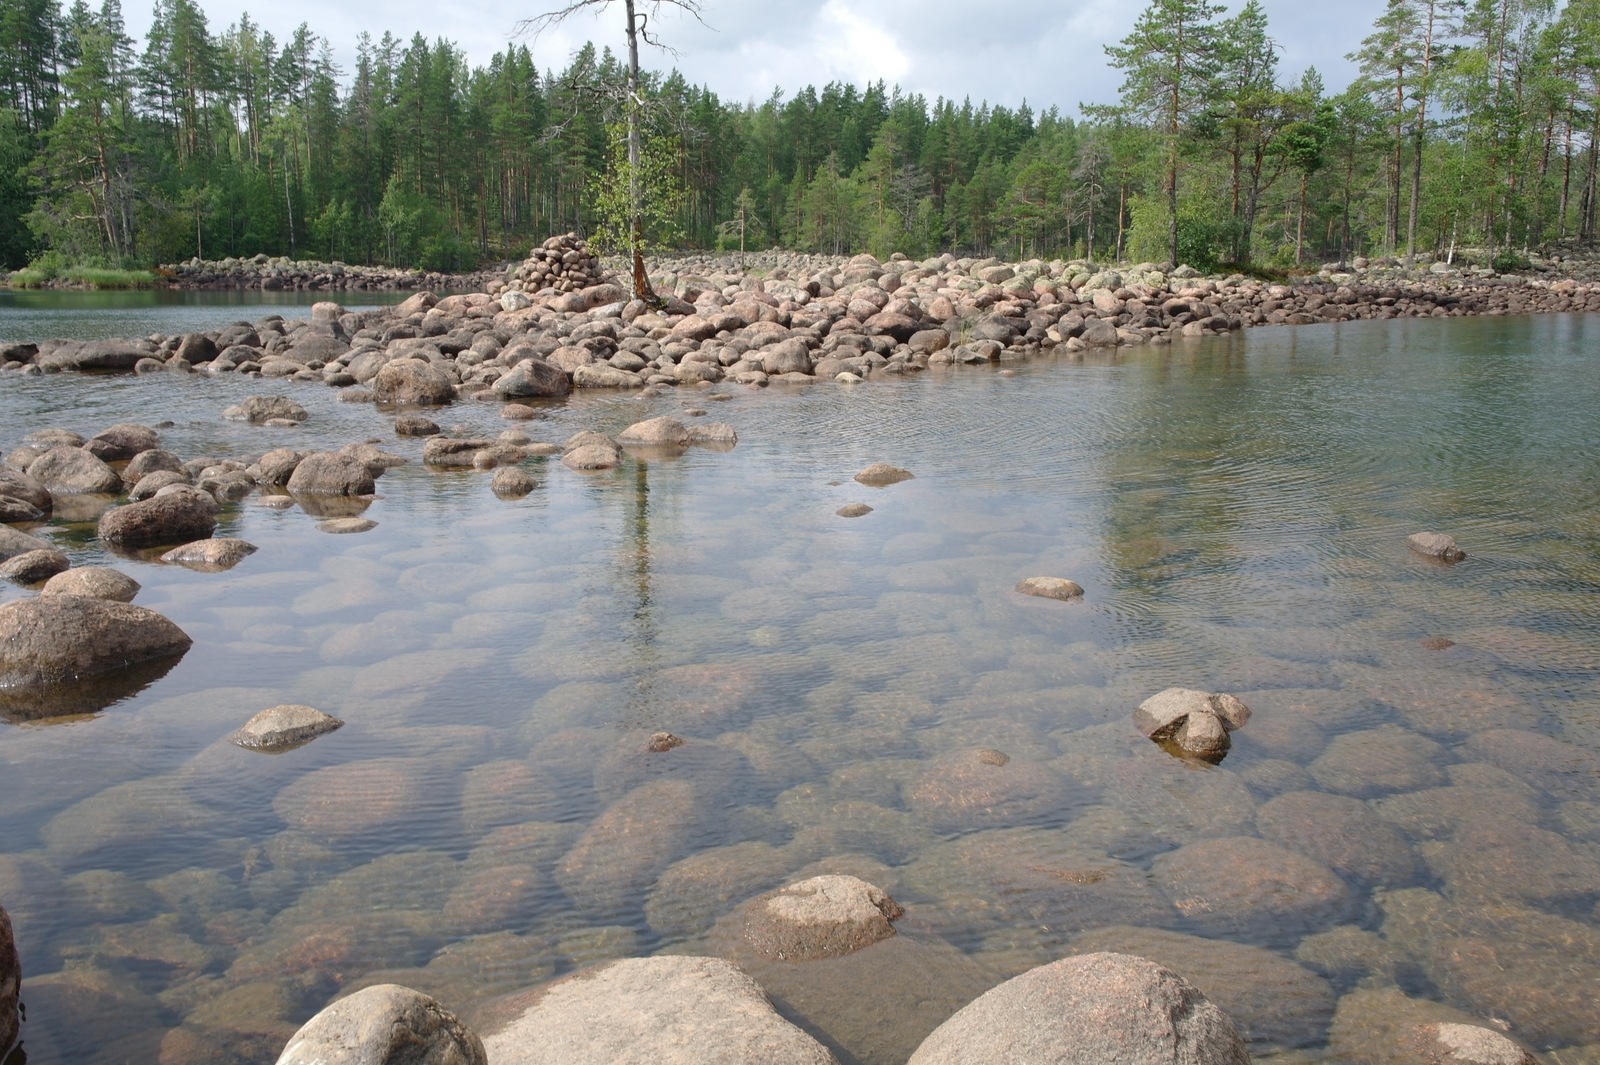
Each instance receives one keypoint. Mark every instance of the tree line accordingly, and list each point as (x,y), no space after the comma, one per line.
(1473,125)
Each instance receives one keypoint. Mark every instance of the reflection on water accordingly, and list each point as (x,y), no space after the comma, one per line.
(1397,827)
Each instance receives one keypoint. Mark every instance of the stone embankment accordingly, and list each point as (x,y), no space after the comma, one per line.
(277,273)
(560,322)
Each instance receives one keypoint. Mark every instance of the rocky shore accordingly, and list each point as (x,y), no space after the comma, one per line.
(278,274)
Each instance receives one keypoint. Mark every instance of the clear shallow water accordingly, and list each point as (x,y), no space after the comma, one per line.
(33,315)
(1237,511)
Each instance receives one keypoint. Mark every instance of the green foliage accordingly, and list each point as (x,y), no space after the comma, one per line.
(661,195)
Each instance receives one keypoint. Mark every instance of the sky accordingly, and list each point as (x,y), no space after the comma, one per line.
(744,49)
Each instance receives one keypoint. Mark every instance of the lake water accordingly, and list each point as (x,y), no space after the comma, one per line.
(39,314)
(1237,509)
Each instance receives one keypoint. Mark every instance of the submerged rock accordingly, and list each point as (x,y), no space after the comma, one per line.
(1244,887)
(824,917)
(880,474)
(648,1011)
(385,1024)
(1088,1008)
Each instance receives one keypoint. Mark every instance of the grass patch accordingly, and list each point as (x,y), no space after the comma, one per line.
(96,277)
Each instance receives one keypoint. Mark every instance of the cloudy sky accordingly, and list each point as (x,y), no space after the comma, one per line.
(1045,53)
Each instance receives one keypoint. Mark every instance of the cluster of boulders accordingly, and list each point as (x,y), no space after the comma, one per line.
(560,264)
(279,273)
(561,324)
(836,934)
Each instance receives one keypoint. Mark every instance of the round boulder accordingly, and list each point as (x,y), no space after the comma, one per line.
(172,516)
(824,917)
(413,383)
(384,1024)
(74,471)
(56,638)
(1435,545)
(655,432)
(93,582)
(122,441)
(331,474)
(211,556)
(648,1011)
(1091,1007)
(31,567)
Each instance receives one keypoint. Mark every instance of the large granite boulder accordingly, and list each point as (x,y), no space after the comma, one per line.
(413,383)
(30,498)
(122,441)
(648,1011)
(93,582)
(34,567)
(175,515)
(1088,1008)
(332,474)
(384,1024)
(530,378)
(74,471)
(14,543)
(57,638)
(111,354)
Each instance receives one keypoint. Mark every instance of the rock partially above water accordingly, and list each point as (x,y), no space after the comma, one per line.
(212,555)
(385,1024)
(10,982)
(58,638)
(854,510)
(880,474)
(174,515)
(1050,588)
(1088,1008)
(824,917)
(1435,545)
(327,473)
(280,728)
(93,582)
(261,409)
(31,567)
(1196,723)
(649,1011)
(74,471)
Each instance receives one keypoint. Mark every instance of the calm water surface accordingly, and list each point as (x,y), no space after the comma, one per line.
(27,314)
(1237,510)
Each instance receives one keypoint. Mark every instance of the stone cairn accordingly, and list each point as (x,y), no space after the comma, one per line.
(562,264)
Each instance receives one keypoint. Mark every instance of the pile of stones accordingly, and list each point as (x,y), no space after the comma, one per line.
(560,264)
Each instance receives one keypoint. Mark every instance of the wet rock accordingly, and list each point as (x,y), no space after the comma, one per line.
(1030,878)
(1246,888)
(1181,801)
(693,893)
(1345,834)
(93,582)
(212,555)
(511,792)
(17,487)
(329,473)
(122,442)
(509,482)
(348,801)
(1500,858)
(413,383)
(280,728)
(415,425)
(277,466)
(610,868)
(10,982)
(975,789)
(154,460)
(1435,545)
(1383,1026)
(260,409)
(152,483)
(1194,723)
(1348,955)
(715,770)
(854,510)
(57,638)
(494,898)
(171,516)
(1378,761)
(656,432)
(532,378)
(880,474)
(1274,1002)
(340,526)
(1050,588)
(1534,970)
(14,543)
(824,917)
(33,567)
(74,471)
(1563,770)
(592,457)
(645,1011)
(14,510)
(110,354)
(385,1024)
(1094,1007)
